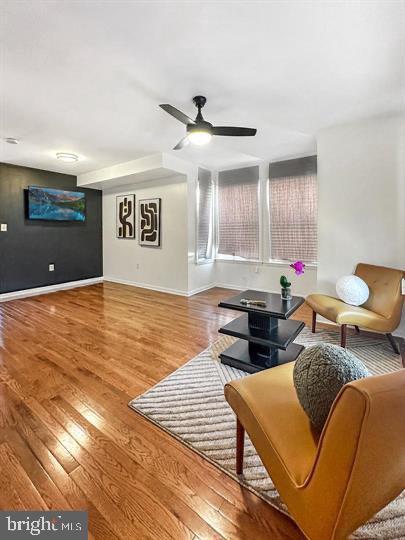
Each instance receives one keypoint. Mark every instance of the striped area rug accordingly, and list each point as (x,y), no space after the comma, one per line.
(190,405)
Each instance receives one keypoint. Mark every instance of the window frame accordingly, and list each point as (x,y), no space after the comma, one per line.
(206,260)
(236,258)
(270,260)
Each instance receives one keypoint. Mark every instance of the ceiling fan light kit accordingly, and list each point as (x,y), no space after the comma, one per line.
(199,131)
(199,137)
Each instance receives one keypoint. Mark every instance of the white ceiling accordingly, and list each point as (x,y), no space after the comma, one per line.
(87,76)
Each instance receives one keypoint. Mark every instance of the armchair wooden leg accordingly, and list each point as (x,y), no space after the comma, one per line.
(402,349)
(313,322)
(240,446)
(393,343)
(357,329)
(343,335)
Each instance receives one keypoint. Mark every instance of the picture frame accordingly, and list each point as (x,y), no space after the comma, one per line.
(150,222)
(125,216)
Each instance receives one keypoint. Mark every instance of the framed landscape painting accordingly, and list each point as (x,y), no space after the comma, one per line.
(50,204)
(125,218)
(149,222)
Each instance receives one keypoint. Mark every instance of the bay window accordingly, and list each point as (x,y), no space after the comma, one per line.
(235,223)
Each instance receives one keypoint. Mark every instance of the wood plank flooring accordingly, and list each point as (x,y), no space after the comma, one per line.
(69,364)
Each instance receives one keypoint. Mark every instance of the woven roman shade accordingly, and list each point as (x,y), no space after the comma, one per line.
(204,215)
(238,213)
(293,196)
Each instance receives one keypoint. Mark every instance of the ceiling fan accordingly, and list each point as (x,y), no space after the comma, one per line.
(199,131)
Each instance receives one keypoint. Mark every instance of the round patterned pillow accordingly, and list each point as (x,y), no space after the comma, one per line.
(319,373)
(352,290)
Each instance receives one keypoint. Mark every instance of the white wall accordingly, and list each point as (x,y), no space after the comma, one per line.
(162,268)
(361,197)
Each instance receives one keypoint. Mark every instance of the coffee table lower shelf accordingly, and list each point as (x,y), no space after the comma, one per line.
(242,356)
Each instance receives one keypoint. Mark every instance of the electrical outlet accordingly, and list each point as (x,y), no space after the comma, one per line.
(137,266)
(3,227)
(51,267)
(403,285)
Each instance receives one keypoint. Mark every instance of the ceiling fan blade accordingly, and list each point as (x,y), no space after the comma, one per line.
(183,142)
(176,113)
(229,131)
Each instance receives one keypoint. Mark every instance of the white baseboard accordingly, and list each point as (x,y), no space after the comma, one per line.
(15,295)
(141,285)
(227,286)
(168,290)
(202,289)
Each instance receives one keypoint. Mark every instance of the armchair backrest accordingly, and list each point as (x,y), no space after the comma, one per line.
(385,290)
(365,437)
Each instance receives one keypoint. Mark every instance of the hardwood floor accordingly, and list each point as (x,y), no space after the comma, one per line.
(69,363)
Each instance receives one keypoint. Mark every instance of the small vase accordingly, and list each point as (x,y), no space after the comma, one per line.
(286,293)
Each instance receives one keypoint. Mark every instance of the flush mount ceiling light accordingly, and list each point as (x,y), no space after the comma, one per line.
(11,140)
(199,131)
(66,156)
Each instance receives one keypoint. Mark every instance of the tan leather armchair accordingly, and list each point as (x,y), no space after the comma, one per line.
(333,482)
(382,311)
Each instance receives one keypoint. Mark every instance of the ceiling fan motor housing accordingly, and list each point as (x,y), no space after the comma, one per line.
(199,101)
(202,125)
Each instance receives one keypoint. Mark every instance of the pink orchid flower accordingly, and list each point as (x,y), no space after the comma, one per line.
(298,267)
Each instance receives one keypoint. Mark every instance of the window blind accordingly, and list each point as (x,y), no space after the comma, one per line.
(238,213)
(293,196)
(205,206)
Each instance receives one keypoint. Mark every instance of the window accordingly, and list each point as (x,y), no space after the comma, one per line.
(230,214)
(205,206)
(293,197)
(238,213)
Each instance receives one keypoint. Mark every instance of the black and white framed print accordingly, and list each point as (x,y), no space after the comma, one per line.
(149,222)
(125,220)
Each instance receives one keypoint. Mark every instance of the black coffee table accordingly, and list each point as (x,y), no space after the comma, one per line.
(266,335)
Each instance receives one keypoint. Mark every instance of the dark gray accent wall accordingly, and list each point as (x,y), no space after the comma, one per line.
(28,247)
